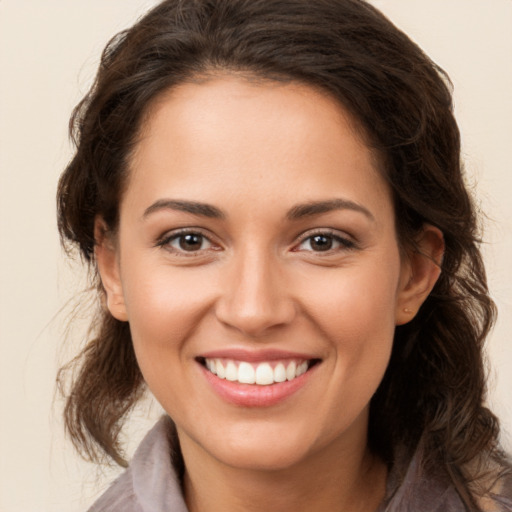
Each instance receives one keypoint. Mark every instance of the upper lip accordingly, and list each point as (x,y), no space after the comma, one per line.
(254,356)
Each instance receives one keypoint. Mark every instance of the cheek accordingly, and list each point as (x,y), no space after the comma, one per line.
(356,313)
(164,308)
(357,302)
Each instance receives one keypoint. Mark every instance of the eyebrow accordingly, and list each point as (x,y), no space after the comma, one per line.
(196,208)
(299,211)
(318,207)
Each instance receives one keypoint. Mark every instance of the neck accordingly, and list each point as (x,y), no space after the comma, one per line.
(332,479)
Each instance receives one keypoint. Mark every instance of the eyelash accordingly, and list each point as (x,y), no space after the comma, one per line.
(344,243)
(168,238)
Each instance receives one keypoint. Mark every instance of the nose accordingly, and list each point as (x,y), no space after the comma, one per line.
(255,299)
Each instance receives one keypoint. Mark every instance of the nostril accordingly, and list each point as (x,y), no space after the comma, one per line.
(257,299)
(255,319)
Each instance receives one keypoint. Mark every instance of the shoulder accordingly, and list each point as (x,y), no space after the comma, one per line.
(150,484)
(495,490)
(412,487)
(119,496)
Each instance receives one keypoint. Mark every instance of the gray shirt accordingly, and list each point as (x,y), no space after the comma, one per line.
(151,484)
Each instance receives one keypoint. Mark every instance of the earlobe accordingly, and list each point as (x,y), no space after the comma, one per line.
(108,266)
(420,273)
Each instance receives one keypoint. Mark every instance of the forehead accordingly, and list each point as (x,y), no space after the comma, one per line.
(210,138)
(291,102)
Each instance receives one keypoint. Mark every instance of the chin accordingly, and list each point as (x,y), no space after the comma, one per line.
(261,457)
(259,446)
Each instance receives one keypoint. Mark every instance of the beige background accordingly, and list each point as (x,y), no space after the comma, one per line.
(48,54)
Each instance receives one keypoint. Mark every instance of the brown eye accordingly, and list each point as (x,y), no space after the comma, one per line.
(191,242)
(187,242)
(321,242)
(325,242)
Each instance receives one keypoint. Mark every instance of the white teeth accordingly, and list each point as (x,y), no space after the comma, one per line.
(261,374)
(246,374)
(290,371)
(280,373)
(231,371)
(210,364)
(264,374)
(302,368)
(221,372)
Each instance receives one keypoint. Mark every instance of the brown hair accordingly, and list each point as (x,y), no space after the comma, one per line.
(434,387)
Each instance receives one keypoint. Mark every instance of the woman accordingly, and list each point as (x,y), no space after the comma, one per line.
(270,196)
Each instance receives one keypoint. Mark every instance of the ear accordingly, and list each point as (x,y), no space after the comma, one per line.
(421,268)
(106,255)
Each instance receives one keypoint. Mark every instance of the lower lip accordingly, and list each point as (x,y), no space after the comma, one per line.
(252,395)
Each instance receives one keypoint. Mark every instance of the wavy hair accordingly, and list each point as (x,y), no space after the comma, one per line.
(434,388)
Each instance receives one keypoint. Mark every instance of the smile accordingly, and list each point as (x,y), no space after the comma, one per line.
(262,378)
(263,373)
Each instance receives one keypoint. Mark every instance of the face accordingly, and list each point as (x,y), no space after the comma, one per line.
(257,264)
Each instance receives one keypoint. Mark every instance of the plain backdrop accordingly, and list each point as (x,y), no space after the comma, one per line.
(49,51)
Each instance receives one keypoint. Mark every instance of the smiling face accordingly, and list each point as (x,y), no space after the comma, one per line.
(257,264)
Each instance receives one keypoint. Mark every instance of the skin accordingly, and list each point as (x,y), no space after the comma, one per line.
(254,151)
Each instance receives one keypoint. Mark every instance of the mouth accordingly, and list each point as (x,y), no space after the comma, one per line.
(261,373)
